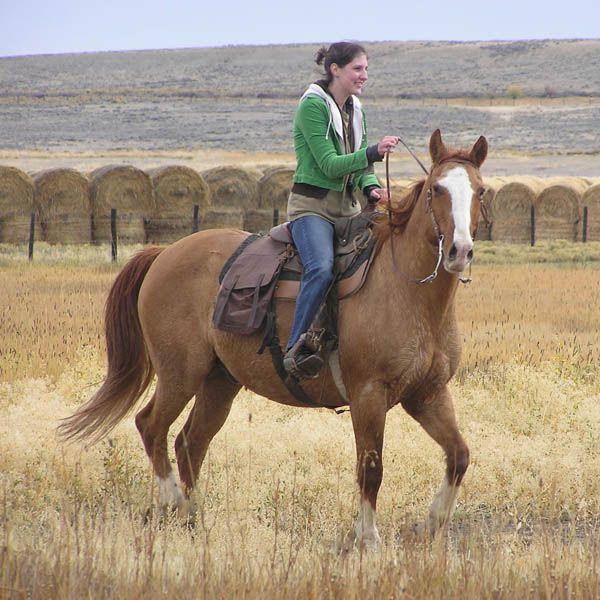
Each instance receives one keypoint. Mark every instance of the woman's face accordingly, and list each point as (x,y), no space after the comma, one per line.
(352,77)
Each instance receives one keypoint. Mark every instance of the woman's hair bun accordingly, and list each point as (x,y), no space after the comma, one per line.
(321,54)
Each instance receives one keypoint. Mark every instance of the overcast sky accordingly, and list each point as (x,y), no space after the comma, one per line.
(57,26)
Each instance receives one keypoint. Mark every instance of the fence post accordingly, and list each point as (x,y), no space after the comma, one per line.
(584,225)
(275,217)
(113,233)
(532,223)
(196,219)
(31,235)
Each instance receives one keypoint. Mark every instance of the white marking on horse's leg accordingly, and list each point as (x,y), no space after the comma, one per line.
(365,527)
(170,494)
(336,373)
(442,507)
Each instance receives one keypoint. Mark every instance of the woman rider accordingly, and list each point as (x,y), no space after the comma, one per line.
(332,161)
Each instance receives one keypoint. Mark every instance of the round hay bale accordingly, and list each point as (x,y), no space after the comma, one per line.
(16,206)
(274,188)
(484,228)
(223,218)
(510,209)
(558,209)
(176,190)
(62,199)
(591,199)
(129,190)
(260,220)
(233,187)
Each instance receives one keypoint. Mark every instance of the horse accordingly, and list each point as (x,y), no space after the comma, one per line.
(398,342)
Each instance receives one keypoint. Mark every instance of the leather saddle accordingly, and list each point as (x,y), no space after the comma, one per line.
(268,266)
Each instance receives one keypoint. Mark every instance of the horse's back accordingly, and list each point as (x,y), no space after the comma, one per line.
(179,290)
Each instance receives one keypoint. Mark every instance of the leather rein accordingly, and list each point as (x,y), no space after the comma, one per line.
(436,227)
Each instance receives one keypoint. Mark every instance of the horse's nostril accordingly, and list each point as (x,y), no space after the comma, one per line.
(470,255)
(453,252)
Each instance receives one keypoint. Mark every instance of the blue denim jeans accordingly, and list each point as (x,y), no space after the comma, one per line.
(313,237)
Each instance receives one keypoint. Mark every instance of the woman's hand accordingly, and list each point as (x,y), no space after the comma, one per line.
(378,195)
(387,144)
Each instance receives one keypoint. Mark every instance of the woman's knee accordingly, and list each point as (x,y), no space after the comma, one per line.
(321,271)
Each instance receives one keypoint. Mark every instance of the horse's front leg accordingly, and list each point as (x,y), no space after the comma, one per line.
(436,416)
(368,409)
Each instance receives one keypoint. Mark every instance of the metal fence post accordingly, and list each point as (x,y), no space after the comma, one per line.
(532,223)
(584,226)
(31,235)
(113,233)
(196,219)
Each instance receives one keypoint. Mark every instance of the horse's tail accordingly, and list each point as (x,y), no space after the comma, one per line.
(130,369)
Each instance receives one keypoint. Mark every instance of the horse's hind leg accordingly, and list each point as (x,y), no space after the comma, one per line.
(436,416)
(210,411)
(153,423)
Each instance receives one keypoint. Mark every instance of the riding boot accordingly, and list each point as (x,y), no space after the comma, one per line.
(302,362)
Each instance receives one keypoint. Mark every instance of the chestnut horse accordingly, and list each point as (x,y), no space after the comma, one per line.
(398,342)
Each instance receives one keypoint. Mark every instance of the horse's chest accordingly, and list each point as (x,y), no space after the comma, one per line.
(422,368)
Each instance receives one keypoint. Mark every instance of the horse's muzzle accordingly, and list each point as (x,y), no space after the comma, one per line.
(459,257)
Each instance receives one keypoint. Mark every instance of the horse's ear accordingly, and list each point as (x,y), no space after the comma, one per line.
(436,146)
(479,151)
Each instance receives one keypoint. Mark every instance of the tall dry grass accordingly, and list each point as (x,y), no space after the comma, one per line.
(276,494)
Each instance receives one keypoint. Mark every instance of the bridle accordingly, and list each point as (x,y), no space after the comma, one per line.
(435,224)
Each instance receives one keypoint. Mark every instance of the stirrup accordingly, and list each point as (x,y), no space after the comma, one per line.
(301,362)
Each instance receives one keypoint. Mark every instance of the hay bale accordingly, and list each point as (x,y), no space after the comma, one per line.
(591,199)
(260,220)
(223,218)
(274,188)
(176,190)
(558,209)
(129,190)
(62,200)
(510,209)
(492,185)
(16,206)
(233,187)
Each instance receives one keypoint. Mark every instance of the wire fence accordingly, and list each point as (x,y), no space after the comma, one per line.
(116,228)
(152,231)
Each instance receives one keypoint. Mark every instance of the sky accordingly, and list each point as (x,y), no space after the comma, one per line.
(60,26)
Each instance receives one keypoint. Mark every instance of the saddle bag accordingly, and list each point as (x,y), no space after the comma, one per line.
(246,290)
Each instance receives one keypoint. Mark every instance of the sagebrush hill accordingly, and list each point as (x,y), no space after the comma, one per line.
(399,69)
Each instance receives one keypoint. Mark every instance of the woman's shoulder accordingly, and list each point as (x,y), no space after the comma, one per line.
(312,104)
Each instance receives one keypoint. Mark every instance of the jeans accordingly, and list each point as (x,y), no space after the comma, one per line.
(313,237)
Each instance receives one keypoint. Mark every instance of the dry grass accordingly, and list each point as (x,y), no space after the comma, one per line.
(277,491)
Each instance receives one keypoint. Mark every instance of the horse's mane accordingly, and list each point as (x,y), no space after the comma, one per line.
(398,214)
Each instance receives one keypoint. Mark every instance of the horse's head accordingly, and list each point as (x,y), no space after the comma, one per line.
(454,190)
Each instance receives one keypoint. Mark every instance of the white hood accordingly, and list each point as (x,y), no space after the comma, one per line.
(335,118)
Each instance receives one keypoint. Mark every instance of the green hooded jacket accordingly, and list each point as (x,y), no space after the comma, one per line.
(319,144)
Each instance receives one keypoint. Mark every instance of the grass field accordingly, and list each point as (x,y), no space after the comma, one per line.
(276,494)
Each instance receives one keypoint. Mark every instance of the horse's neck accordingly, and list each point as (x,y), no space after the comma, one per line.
(415,257)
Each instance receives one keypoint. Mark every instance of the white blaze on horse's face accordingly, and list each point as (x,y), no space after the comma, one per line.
(458,184)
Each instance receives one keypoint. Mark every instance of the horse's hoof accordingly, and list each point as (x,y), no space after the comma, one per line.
(346,543)
(352,543)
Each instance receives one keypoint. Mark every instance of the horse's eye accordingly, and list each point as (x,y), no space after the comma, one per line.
(437,188)
(481,191)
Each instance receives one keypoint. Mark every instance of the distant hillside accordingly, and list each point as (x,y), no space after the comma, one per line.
(397,69)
